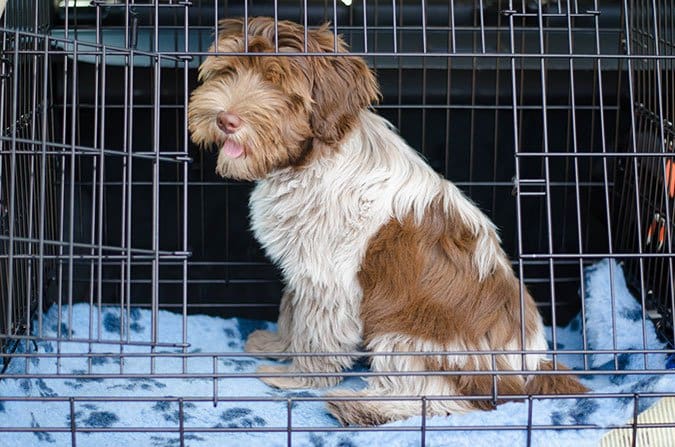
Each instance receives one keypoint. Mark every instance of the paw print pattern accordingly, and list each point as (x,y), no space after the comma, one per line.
(239,417)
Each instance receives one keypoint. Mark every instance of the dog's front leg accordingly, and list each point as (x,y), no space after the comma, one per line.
(325,321)
(269,342)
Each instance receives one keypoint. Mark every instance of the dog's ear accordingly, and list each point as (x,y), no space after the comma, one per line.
(342,87)
(227,28)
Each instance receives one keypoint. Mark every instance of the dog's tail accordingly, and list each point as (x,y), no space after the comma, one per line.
(554,383)
(378,405)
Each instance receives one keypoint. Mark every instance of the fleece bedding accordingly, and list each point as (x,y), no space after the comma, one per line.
(613,320)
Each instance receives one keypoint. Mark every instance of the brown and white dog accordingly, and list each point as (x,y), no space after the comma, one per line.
(377,250)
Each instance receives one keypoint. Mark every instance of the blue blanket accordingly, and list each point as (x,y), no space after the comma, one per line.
(217,335)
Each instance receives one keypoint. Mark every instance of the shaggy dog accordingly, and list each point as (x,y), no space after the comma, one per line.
(378,252)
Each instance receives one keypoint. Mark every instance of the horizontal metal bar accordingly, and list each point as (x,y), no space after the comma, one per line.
(181,56)
(573,155)
(463,55)
(388,106)
(342,28)
(110,259)
(546,15)
(301,398)
(344,374)
(80,245)
(349,429)
(595,255)
(69,149)
(365,354)
(115,342)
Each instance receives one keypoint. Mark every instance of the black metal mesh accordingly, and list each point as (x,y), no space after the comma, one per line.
(556,118)
(28,200)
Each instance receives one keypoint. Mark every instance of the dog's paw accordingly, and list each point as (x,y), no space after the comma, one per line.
(354,412)
(280,382)
(288,383)
(266,341)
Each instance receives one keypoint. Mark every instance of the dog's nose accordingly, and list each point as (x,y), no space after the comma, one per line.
(228,122)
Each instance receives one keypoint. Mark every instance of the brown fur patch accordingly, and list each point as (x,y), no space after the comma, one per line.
(294,108)
(420,280)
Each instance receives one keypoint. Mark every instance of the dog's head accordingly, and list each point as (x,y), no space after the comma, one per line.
(266,112)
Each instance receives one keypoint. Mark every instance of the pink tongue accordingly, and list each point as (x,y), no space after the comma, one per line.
(232,149)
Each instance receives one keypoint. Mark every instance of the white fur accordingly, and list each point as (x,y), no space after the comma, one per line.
(316,222)
(403,343)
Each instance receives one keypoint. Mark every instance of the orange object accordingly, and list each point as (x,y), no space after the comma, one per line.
(662,235)
(657,226)
(670,177)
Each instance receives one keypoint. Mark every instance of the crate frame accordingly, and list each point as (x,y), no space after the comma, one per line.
(85,262)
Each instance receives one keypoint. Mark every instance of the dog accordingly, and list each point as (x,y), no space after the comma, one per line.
(377,251)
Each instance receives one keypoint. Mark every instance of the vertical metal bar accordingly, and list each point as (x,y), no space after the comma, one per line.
(448,112)
(71,211)
(605,178)
(33,92)
(516,147)
(125,305)
(305,25)
(448,94)
(399,72)
(289,421)
(12,184)
(482,26)
(424,30)
(125,265)
(496,142)
(97,179)
(276,27)
(43,186)
(452,27)
(73,426)
(662,140)
(186,143)
(577,192)
(393,24)
(215,381)
(634,424)
(474,91)
(101,195)
(62,193)
(530,403)
(634,164)
(4,80)
(155,190)
(335,27)
(424,87)
(181,422)
(423,426)
(365,26)
(547,179)
(245,25)
(216,27)
(495,379)
(126,173)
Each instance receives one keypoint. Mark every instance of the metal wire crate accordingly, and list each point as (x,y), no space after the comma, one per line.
(28,199)
(555,117)
(645,184)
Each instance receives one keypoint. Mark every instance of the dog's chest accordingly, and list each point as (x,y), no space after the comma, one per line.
(315,226)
